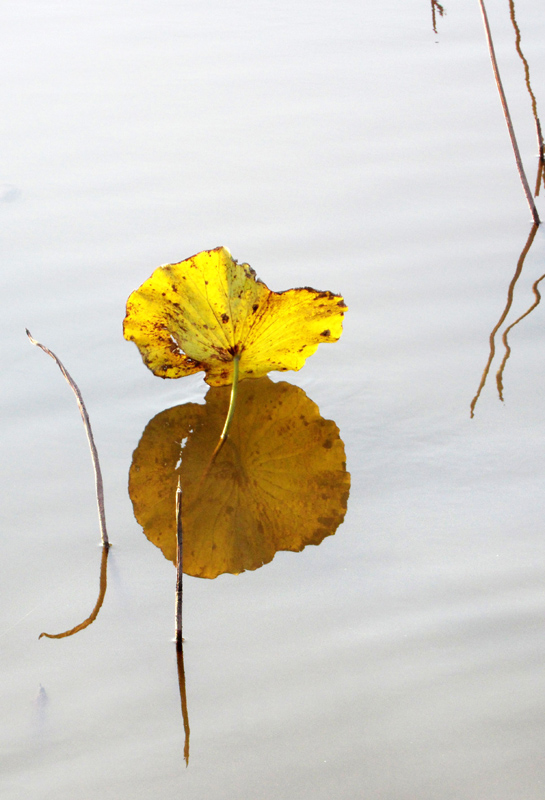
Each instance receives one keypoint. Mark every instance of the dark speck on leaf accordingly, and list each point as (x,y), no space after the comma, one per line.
(255,307)
(225,318)
(327,332)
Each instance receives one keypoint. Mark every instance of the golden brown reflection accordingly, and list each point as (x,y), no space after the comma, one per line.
(94,613)
(541,149)
(279,483)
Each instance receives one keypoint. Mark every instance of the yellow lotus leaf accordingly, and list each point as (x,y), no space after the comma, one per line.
(201,313)
(279,483)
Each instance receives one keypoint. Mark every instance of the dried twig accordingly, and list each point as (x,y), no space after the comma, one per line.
(88,431)
(507,116)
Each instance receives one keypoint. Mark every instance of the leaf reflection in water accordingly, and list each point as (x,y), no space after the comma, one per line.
(280,482)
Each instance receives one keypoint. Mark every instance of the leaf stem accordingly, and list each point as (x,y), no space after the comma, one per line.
(228,420)
(232,401)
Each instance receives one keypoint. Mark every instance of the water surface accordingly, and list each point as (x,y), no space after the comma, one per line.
(343,146)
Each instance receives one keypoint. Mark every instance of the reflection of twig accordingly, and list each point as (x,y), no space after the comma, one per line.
(102,592)
(506,310)
(179,565)
(499,375)
(88,431)
(183,699)
(540,172)
(540,175)
(179,606)
(436,7)
(507,116)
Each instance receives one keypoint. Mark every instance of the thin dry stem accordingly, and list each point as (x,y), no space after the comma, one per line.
(88,431)
(507,115)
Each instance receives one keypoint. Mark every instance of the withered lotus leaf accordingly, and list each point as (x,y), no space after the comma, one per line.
(279,483)
(201,313)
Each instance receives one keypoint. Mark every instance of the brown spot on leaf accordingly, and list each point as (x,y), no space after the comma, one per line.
(327,332)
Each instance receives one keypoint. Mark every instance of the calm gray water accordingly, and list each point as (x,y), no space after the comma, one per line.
(341,145)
